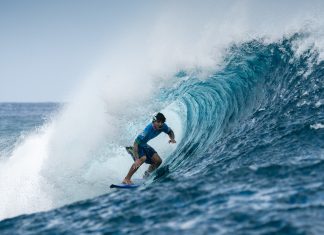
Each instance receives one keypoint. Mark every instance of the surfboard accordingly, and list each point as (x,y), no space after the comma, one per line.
(124,186)
(137,183)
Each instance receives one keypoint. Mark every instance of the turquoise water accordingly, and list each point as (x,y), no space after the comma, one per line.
(251,160)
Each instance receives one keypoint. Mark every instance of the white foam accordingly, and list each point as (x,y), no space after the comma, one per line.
(20,184)
(317,126)
(319,103)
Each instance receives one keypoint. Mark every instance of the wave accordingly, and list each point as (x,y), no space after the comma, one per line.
(250,116)
(264,101)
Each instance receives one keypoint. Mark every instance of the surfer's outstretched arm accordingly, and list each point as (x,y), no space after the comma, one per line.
(172,137)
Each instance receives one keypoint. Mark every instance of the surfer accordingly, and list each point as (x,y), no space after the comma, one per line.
(142,152)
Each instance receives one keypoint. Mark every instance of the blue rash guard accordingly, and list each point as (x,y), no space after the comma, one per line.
(149,133)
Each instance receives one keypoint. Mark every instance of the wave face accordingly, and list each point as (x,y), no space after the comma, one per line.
(251,159)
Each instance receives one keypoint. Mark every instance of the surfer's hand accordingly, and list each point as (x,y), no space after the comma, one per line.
(172,141)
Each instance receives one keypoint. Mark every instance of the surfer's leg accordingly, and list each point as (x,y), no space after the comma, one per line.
(156,162)
(133,169)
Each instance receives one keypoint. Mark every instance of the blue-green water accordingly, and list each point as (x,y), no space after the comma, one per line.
(251,160)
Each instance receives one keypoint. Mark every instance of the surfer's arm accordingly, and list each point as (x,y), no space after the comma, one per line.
(135,150)
(171,136)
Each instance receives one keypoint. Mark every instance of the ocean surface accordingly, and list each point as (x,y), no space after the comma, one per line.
(249,159)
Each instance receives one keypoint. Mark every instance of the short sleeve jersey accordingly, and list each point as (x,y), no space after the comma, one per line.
(150,132)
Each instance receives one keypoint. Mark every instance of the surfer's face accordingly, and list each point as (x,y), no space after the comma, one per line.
(158,124)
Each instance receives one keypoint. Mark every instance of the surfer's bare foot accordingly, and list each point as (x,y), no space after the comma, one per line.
(127,181)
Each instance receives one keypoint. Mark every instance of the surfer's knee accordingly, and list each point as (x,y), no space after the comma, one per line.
(142,159)
(157,160)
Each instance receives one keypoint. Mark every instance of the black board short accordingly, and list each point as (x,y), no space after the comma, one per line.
(146,150)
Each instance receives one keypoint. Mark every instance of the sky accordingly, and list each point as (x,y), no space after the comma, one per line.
(48,47)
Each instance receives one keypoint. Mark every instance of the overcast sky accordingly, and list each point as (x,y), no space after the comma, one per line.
(48,47)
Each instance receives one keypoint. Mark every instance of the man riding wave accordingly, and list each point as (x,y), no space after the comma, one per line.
(142,152)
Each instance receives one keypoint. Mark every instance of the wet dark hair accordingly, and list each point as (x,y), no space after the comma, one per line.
(159,117)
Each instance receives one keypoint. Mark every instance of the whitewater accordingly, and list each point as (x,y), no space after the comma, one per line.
(246,105)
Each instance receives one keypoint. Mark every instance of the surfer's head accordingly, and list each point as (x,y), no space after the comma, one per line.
(159,117)
(158,120)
